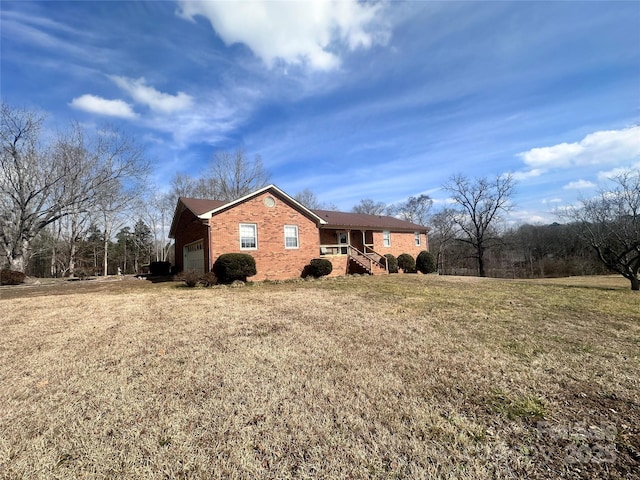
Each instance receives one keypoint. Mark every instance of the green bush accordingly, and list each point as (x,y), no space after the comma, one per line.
(318,267)
(11,277)
(425,262)
(407,263)
(234,266)
(160,268)
(392,263)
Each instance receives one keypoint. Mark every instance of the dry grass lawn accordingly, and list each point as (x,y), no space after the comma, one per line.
(405,376)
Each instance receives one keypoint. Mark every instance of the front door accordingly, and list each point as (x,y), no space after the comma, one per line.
(343,241)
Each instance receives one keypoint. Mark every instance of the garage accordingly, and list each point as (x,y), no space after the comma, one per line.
(194,256)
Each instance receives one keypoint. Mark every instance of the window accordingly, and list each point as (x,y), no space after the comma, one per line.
(417,237)
(290,236)
(386,238)
(194,247)
(248,236)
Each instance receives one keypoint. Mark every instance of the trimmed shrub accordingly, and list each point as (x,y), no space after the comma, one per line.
(234,266)
(392,263)
(425,262)
(209,279)
(318,267)
(11,277)
(407,263)
(190,278)
(160,268)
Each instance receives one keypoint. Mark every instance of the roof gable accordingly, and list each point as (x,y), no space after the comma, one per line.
(197,206)
(276,191)
(204,208)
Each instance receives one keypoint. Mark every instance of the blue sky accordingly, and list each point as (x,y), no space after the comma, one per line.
(378,100)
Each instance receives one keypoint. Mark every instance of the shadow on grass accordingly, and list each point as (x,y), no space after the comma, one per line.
(158,278)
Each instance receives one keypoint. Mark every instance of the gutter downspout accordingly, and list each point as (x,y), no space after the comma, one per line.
(208,264)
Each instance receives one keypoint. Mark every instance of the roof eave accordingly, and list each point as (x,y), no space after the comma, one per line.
(375,228)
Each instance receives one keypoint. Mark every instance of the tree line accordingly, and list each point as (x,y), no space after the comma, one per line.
(81,203)
(601,234)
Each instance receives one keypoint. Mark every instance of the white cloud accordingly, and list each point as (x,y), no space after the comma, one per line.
(298,32)
(610,174)
(154,99)
(536,172)
(520,217)
(444,201)
(579,184)
(41,32)
(607,147)
(551,200)
(102,106)
(210,119)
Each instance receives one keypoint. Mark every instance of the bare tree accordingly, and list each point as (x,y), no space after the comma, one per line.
(307,198)
(611,224)
(310,200)
(27,182)
(370,207)
(230,176)
(234,175)
(71,149)
(443,232)
(415,209)
(183,185)
(158,210)
(112,202)
(40,185)
(480,201)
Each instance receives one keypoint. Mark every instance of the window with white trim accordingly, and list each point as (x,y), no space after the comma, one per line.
(291,236)
(417,238)
(386,238)
(248,236)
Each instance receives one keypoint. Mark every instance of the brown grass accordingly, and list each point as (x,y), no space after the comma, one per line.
(405,376)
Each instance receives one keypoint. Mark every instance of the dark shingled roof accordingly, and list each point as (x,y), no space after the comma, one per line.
(381,222)
(200,205)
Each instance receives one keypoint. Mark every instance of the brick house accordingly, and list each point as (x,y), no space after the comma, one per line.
(283,235)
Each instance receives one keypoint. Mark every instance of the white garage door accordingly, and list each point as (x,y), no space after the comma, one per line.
(194,257)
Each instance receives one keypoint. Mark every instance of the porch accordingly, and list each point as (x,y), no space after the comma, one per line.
(357,246)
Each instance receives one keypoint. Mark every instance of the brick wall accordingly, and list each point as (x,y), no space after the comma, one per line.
(273,260)
(339,263)
(400,243)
